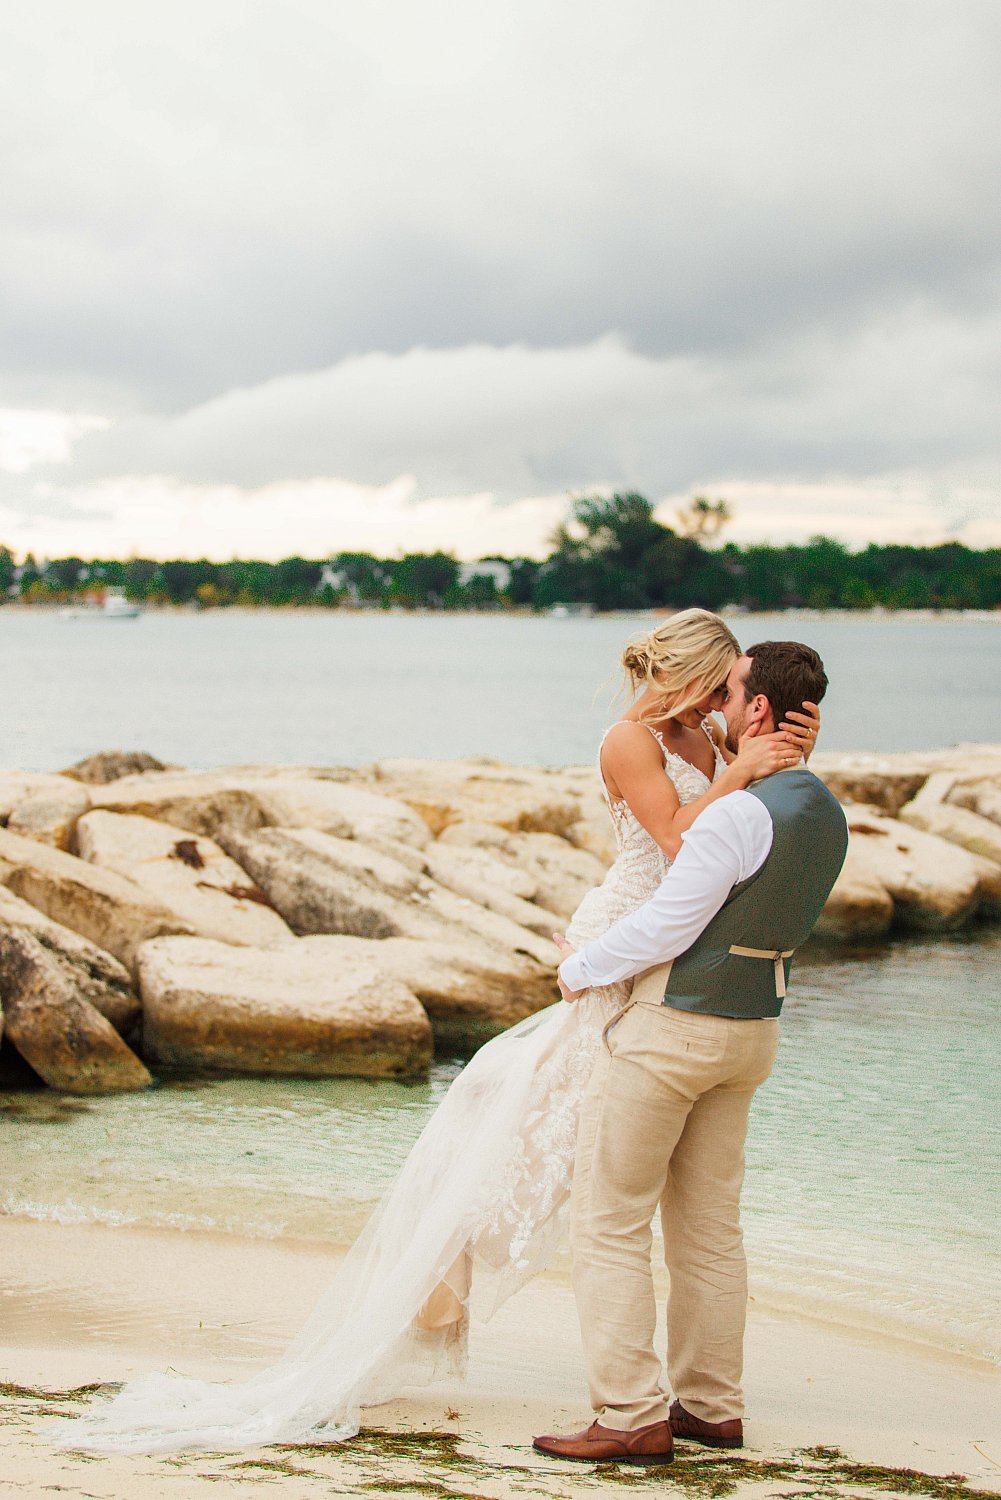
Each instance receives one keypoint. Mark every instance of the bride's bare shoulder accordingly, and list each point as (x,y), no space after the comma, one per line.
(714,731)
(630,744)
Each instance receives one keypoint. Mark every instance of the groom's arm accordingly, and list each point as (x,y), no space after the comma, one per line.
(726,844)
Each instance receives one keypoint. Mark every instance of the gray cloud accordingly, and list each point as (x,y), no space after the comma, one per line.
(207,197)
(512,249)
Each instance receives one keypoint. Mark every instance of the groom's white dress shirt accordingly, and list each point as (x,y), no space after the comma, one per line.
(727,843)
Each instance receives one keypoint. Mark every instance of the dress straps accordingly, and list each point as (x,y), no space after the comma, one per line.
(601,775)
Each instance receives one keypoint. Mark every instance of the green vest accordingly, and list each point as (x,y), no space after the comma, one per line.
(772,912)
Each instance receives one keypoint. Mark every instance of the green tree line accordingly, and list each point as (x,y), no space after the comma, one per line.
(612,553)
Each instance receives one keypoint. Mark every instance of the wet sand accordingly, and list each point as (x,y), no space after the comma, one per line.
(85,1304)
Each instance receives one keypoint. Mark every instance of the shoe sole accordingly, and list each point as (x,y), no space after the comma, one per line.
(639,1460)
(707,1442)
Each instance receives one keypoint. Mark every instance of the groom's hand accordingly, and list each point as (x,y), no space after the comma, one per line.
(565,950)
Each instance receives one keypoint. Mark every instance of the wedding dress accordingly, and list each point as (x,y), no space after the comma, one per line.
(476,1210)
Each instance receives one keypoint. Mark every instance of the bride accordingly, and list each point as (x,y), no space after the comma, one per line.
(477,1207)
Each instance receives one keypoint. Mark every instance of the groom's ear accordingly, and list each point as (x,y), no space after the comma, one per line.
(758,718)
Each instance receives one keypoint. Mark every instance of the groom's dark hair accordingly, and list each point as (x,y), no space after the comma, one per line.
(788,673)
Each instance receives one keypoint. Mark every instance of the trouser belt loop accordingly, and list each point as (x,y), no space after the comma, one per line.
(650,987)
(776,955)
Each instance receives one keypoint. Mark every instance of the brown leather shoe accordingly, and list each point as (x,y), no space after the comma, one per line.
(712,1434)
(652,1444)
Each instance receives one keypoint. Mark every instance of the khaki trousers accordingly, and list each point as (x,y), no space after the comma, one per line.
(664,1122)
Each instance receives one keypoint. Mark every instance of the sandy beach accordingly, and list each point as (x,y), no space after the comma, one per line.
(86,1304)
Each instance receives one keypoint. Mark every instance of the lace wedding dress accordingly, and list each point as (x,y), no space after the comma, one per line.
(475,1211)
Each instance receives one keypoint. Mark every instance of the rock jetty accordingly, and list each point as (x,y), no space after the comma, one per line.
(326,921)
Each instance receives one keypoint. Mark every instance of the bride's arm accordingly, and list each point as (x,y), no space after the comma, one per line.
(633,769)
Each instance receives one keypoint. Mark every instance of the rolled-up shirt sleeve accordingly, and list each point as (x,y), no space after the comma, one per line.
(727,843)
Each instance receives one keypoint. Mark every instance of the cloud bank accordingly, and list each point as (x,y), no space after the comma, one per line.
(271,275)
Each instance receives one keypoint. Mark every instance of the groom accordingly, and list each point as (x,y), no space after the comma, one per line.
(665,1117)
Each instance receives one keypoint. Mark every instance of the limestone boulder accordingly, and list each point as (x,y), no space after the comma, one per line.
(981,797)
(304,1009)
(989,879)
(558,874)
(207,802)
(859,907)
(41,807)
(514,797)
(882,781)
(50,814)
(470,989)
(68,1043)
(92,973)
(934,885)
(348,811)
(326,885)
(199,802)
(105,907)
(441,909)
(15,786)
(190,875)
(110,765)
(930,812)
(484,848)
(477,876)
(888,781)
(323,884)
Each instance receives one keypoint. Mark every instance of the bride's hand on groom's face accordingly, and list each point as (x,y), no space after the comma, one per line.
(762,754)
(803,728)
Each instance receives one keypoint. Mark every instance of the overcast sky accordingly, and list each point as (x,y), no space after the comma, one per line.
(309,275)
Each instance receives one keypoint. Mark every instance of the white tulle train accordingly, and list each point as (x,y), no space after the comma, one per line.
(474,1201)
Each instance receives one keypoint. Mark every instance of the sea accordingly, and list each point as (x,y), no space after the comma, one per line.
(874,1156)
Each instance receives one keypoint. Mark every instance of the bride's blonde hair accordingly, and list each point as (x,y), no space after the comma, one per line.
(683,661)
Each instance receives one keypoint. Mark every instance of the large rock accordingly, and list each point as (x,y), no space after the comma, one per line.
(930,812)
(934,885)
(889,780)
(109,765)
(550,872)
(477,876)
(41,807)
(471,990)
(302,1009)
(198,802)
(209,802)
(15,786)
(323,884)
(882,781)
(95,975)
(111,911)
(348,811)
(982,797)
(326,885)
(514,797)
(859,907)
(63,1038)
(50,816)
(191,876)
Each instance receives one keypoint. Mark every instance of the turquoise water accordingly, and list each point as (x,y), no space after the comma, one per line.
(873,1163)
(329,688)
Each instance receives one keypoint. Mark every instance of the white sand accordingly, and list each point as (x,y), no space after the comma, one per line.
(83,1304)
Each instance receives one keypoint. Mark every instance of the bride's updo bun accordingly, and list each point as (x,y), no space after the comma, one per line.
(686,658)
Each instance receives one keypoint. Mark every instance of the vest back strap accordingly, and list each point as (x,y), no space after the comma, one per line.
(776,955)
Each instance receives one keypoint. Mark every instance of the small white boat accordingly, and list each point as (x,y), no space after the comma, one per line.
(117,607)
(114,606)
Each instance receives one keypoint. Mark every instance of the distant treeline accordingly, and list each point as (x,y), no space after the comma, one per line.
(612,554)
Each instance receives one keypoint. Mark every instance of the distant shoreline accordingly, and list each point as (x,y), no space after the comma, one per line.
(728,612)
